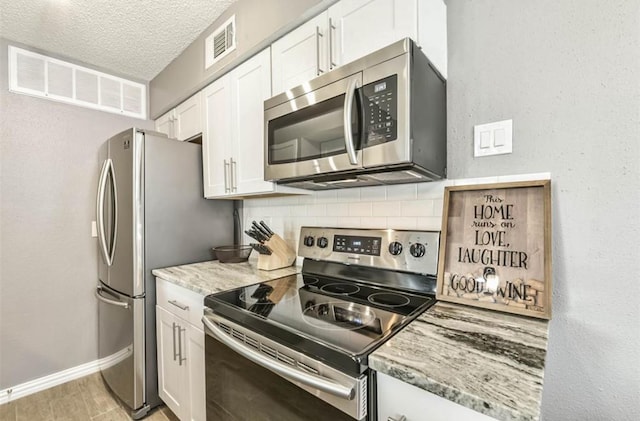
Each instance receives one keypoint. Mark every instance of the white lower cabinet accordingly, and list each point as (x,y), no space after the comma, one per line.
(180,350)
(399,401)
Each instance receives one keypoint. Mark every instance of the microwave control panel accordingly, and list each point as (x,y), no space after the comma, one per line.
(381,110)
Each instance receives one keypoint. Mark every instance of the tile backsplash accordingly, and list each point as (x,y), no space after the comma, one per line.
(404,206)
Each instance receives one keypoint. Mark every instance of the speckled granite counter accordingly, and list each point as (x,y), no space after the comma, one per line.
(208,277)
(490,362)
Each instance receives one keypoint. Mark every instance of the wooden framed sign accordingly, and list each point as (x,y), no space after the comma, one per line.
(495,250)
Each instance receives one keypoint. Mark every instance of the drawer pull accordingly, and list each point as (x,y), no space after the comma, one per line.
(400,418)
(180,306)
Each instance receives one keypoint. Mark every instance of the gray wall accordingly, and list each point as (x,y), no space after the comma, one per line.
(258,22)
(568,73)
(48,260)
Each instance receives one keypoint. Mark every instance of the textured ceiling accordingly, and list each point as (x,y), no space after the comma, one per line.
(137,38)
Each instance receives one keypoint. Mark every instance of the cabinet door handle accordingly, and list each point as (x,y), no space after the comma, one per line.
(175,354)
(234,176)
(180,358)
(331,28)
(226,177)
(177,304)
(400,418)
(318,36)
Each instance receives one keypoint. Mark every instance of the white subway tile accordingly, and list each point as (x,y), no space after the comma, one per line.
(349,195)
(430,223)
(348,222)
(250,203)
(279,210)
(402,192)
(433,190)
(360,209)
(338,209)
(373,194)
(285,200)
(402,223)
(298,210)
(326,196)
(379,222)
(307,199)
(416,208)
(475,181)
(524,177)
(317,209)
(390,208)
(327,221)
(437,207)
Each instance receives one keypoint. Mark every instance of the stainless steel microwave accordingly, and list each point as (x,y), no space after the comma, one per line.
(378,120)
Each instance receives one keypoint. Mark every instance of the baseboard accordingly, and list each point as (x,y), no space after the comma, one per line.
(46,382)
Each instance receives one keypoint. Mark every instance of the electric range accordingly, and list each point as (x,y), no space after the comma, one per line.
(316,329)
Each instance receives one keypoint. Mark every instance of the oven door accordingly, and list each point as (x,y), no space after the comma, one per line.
(249,377)
(319,132)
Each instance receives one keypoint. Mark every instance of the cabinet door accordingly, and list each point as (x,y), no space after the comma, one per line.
(363,26)
(432,32)
(251,86)
(164,124)
(188,121)
(216,137)
(397,399)
(170,373)
(195,373)
(300,55)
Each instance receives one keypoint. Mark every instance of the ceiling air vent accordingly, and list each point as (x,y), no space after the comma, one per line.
(46,77)
(221,42)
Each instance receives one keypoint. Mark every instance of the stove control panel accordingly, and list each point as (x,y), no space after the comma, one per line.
(411,251)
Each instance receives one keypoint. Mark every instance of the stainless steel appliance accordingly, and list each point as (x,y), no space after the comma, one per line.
(378,120)
(296,348)
(151,213)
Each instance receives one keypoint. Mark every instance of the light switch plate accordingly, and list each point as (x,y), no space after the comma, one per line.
(493,138)
(94,229)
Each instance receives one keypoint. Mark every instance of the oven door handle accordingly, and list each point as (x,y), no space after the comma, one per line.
(321,383)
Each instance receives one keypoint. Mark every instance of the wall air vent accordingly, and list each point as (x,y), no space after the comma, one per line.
(45,77)
(221,42)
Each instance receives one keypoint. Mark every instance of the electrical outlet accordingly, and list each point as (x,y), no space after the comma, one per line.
(493,138)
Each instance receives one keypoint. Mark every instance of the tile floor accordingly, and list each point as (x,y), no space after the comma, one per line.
(84,399)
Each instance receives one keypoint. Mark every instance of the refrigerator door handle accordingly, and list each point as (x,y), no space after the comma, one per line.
(108,301)
(107,171)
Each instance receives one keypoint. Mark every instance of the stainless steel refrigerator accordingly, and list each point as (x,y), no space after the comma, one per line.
(151,213)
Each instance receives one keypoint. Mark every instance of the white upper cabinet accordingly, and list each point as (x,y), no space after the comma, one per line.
(300,55)
(188,122)
(216,137)
(164,123)
(251,87)
(184,121)
(360,27)
(233,136)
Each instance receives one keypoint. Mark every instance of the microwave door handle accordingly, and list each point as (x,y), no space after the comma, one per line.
(348,107)
(282,369)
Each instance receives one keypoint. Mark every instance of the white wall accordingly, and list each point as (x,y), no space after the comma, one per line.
(48,260)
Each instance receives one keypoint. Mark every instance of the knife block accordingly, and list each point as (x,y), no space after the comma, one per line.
(281,254)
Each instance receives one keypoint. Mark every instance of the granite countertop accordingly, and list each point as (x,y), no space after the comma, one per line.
(208,277)
(488,361)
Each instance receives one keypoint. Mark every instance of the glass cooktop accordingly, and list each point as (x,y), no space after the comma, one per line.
(313,313)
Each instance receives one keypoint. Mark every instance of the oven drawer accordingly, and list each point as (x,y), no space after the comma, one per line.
(180,301)
(280,383)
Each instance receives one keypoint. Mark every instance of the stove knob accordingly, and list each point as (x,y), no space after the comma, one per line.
(417,250)
(308,241)
(323,242)
(395,248)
